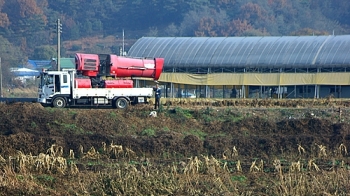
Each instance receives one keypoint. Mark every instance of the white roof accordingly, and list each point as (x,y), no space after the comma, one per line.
(23,70)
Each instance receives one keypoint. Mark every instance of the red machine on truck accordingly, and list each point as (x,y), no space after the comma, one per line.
(99,80)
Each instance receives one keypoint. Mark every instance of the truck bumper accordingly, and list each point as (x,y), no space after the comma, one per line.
(42,100)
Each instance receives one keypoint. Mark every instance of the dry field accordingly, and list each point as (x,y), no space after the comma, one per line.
(192,147)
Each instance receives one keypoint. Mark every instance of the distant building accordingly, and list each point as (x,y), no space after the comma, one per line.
(66,63)
(37,64)
(252,67)
(24,74)
(31,69)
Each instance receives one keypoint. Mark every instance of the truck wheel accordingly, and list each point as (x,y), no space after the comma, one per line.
(59,102)
(121,103)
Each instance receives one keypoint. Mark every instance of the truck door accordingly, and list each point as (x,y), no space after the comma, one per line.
(65,86)
(48,85)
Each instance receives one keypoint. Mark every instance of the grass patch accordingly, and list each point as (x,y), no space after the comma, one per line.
(179,114)
(197,133)
(113,115)
(71,127)
(166,129)
(239,178)
(235,118)
(148,132)
(33,125)
(207,118)
(286,112)
(183,112)
(218,135)
(72,112)
(45,178)
(20,177)
(50,109)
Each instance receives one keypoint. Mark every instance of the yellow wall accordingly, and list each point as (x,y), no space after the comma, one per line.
(264,79)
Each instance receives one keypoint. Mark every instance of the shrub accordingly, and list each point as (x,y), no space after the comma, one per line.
(148,132)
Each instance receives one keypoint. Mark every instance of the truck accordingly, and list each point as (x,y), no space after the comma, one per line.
(99,80)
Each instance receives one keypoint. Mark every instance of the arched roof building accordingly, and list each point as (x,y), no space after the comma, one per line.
(251,61)
(247,52)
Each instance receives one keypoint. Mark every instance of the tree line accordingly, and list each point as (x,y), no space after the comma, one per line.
(27,27)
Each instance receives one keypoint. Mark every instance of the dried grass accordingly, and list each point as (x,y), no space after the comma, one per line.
(198,175)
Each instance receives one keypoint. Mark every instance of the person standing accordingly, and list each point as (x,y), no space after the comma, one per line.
(158,93)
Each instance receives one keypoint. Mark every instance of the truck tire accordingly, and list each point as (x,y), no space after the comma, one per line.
(121,103)
(59,102)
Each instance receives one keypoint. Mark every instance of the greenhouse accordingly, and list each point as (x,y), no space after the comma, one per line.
(251,67)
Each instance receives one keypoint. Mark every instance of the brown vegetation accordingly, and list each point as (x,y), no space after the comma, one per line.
(187,150)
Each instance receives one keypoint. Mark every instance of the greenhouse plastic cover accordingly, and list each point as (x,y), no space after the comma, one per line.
(247,52)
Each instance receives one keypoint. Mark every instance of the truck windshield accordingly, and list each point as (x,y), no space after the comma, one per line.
(46,79)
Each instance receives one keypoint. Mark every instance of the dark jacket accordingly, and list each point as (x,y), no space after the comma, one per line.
(158,92)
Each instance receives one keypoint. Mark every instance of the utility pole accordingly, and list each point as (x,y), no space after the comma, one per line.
(123,53)
(59,31)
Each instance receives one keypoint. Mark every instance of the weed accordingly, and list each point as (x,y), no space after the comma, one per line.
(46,178)
(161,109)
(133,128)
(235,118)
(166,155)
(209,110)
(167,106)
(72,112)
(20,177)
(238,178)
(177,155)
(217,135)
(246,133)
(198,133)
(183,112)
(286,112)
(49,109)
(179,114)
(70,127)
(166,129)
(207,118)
(113,115)
(148,132)
(228,110)
(70,162)
(134,162)
(33,125)
(326,114)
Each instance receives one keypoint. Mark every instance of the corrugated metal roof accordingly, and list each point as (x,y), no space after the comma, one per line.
(247,52)
(24,72)
(39,63)
(67,63)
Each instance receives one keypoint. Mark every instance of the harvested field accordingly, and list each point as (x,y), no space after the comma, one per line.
(251,147)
